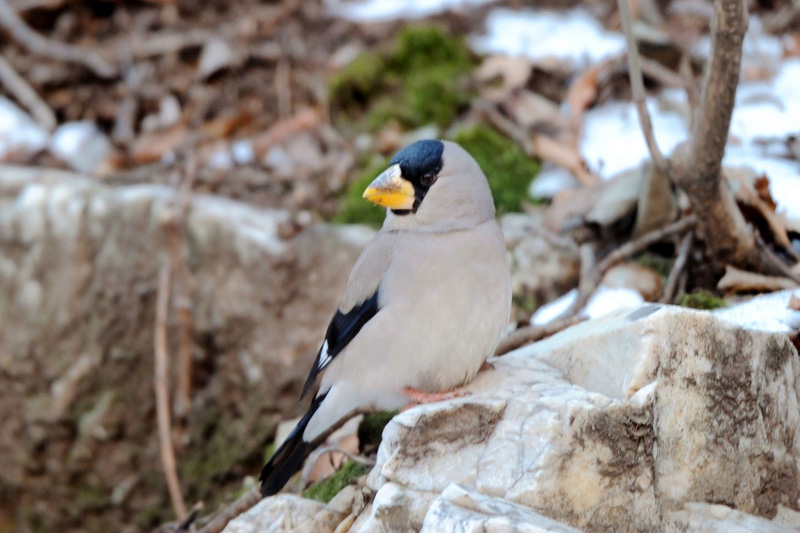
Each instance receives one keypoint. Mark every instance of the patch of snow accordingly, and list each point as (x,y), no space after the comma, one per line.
(604,301)
(767,312)
(221,159)
(551,311)
(384,10)
(574,37)
(243,152)
(20,135)
(551,181)
(81,144)
(612,139)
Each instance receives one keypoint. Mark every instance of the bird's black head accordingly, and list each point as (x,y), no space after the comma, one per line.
(420,164)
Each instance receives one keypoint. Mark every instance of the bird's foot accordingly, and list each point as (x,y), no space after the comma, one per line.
(418,397)
(486,366)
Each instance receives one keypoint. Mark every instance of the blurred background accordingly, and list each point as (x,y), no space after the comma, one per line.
(209,157)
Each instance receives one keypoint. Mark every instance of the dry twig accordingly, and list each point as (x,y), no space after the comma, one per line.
(677,268)
(529,334)
(637,86)
(645,241)
(44,47)
(173,225)
(27,95)
(162,394)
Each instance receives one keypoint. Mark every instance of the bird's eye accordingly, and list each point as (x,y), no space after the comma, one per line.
(428,179)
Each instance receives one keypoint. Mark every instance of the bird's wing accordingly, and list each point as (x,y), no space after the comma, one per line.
(359,304)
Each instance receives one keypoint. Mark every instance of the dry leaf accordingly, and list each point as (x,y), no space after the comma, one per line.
(761,185)
(531,110)
(736,280)
(512,71)
(743,181)
(564,155)
(581,95)
(794,303)
(640,278)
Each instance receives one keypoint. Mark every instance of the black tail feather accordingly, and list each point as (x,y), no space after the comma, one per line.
(290,456)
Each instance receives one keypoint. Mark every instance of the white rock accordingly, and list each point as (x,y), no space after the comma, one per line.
(285,513)
(396,508)
(462,509)
(607,424)
(709,518)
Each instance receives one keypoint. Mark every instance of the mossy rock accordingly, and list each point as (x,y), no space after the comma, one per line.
(509,170)
(422,78)
(702,300)
(325,490)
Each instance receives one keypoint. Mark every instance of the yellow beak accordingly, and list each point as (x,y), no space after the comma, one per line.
(390,190)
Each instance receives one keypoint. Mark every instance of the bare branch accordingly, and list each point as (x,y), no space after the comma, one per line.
(12,23)
(27,95)
(162,394)
(637,86)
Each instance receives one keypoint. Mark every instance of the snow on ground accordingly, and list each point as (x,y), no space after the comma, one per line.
(382,10)
(604,301)
(19,134)
(612,139)
(767,312)
(547,35)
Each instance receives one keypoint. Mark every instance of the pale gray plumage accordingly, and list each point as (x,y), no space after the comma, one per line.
(443,297)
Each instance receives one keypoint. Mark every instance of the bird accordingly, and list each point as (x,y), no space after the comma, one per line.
(426,303)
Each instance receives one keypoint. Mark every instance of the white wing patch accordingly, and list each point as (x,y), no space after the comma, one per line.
(324,357)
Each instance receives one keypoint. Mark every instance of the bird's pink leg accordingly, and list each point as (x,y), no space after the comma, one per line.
(418,397)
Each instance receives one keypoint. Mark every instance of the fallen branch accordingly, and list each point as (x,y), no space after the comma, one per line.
(644,242)
(637,86)
(589,282)
(530,334)
(44,47)
(166,448)
(26,95)
(677,268)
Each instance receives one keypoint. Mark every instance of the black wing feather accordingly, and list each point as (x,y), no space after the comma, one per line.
(290,456)
(342,329)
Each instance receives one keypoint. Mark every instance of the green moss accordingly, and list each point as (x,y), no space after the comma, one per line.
(422,78)
(354,209)
(509,170)
(370,430)
(659,263)
(702,300)
(325,490)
